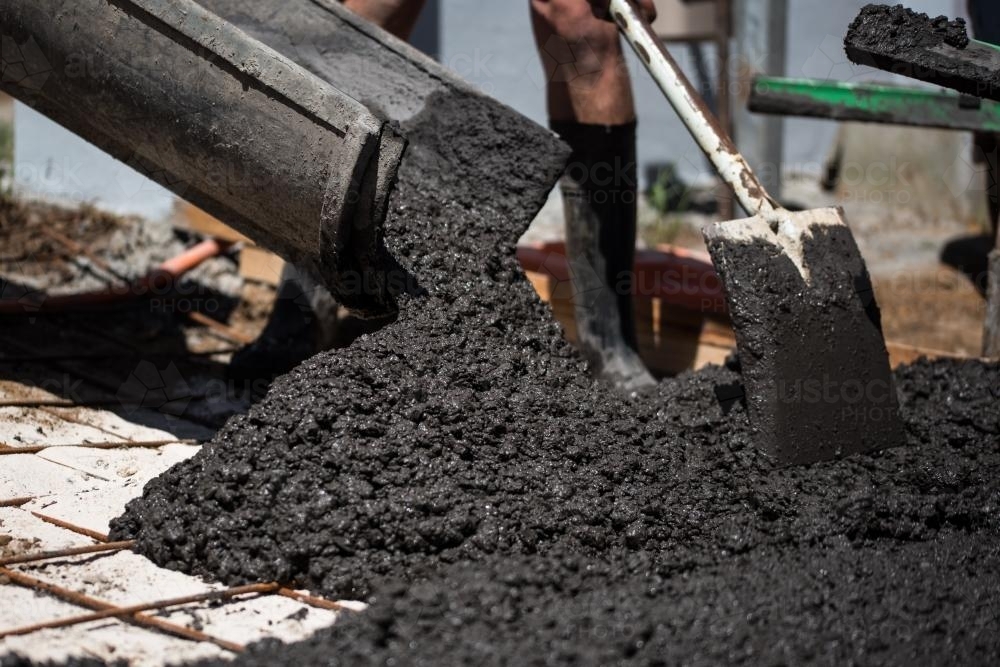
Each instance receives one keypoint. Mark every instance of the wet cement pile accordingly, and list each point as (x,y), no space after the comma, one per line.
(460,470)
(591,543)
(324,487)
(834,603)
(464,448)
(896,29)
(677,546)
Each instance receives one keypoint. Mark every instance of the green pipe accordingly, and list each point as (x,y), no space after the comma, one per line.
(875,103)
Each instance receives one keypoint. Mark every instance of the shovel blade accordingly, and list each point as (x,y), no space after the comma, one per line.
(816,373)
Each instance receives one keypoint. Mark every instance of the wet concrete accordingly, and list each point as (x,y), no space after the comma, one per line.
(896,29)
(936,50)
(833,603)
(598,536)
(464,452)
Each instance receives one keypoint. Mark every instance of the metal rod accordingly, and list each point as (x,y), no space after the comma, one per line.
(72,419)
(6,449)
(65,553)
(118,612)
(57,403)
(311,600)
(143,620)
(87,532)
(223,330)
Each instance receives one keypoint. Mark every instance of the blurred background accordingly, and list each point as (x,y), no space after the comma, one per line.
(915,197)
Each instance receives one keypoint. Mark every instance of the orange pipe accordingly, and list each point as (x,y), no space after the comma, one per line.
(160,278)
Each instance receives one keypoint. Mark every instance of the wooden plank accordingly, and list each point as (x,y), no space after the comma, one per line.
(191,217)
(256,263)
(671,339)
(901,353)
(674,339)
(261,265)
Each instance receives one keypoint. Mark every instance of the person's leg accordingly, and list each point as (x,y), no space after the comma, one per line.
(586,76)
(590,106)
(395,16)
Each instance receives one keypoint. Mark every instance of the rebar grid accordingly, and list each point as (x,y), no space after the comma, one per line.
(133,614)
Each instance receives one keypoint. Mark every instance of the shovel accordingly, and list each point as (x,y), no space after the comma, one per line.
(816,376)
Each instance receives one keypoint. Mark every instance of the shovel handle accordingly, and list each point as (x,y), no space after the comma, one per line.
(690,106)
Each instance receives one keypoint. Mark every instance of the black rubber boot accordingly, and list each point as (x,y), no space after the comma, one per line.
(599,199)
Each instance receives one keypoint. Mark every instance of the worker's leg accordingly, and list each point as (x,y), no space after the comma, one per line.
(396,16)
(590,106)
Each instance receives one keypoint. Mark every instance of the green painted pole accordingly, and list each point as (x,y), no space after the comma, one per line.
(873,103)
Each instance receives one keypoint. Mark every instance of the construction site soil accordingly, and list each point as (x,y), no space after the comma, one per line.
(460,471)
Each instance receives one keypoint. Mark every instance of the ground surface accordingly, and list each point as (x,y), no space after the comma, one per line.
(65,472)
(141,376)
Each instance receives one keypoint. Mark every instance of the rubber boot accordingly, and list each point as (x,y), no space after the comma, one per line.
(599,199)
